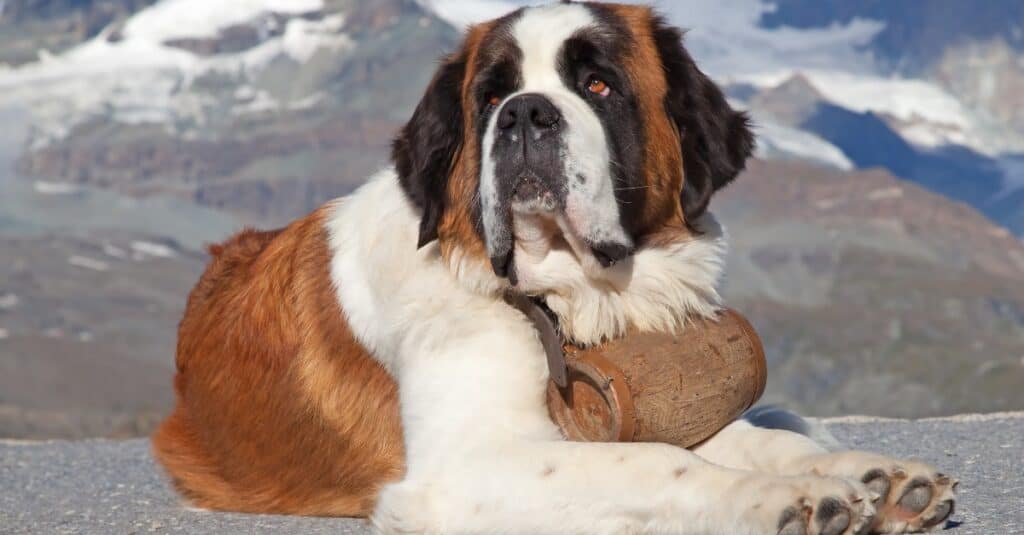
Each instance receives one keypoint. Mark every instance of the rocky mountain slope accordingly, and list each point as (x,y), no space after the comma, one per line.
(873,295)
(88,333)
(264,112)
(870,139)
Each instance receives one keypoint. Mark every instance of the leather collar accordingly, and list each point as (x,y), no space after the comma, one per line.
(547,328)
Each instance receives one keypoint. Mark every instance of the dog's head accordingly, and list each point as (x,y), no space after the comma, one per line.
(581,124)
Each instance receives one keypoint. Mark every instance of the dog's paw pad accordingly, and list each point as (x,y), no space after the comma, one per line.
(831,516)
(916,496)
(878,482)
(911,499)
(795,520)
(908,496)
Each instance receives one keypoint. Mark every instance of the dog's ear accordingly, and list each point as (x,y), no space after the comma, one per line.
(424,150)
(716,140)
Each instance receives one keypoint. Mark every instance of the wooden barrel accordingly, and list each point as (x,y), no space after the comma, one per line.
(658,387)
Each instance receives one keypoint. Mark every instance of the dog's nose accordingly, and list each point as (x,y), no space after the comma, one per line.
(530,112)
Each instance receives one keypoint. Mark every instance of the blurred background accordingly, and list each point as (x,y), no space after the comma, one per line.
(876,239)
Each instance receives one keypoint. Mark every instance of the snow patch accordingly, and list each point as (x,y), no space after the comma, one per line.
(261,102)
(88,263)
(924,134)
(830,203)
(905,99)
(881,194)
(54,188)
(156,250)
(114,251)
(139,79)
(999,232)
(179,19)
(925,114)
(308,102)
(462,13)
(245,92)
(303,38)
(53,332)
(776,140)
(8,301)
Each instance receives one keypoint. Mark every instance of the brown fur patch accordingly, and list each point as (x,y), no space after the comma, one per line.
(457,231)
(662,155)
(279,409)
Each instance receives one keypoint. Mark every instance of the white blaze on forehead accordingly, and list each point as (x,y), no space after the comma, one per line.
(540,33)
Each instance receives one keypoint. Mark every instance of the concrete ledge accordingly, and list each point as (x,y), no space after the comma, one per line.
(114,487)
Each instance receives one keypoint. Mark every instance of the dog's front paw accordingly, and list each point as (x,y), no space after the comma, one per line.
(812,506)
(912,497)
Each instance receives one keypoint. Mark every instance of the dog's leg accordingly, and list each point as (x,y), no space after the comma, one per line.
(570,487)
(911,496)
(484,457)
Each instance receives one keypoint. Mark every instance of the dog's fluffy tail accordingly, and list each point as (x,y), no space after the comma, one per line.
(774,417)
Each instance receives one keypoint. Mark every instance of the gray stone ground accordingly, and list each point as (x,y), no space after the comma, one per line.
(101,487)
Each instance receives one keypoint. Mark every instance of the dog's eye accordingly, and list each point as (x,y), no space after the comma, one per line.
(493,101)
(598,87)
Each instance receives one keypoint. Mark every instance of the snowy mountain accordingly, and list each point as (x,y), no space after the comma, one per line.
(262,107)
(162,71)
(970,51)
(140,129)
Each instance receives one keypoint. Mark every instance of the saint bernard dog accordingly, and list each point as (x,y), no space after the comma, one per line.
(363,361)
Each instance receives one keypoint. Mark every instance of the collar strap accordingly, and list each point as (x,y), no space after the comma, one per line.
(547,328)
